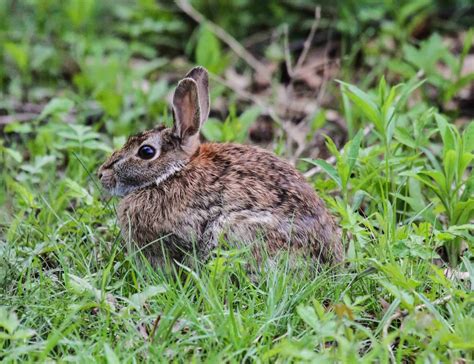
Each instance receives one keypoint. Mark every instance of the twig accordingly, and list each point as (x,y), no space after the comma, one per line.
(23,107)
(322,90)
(286,47)
(22,117)
(331,160)
(21,112)
(304,53)
(309,39)
(292,72)
(259,37)
(253,62)
(8,119)
(250,97)
(155,325)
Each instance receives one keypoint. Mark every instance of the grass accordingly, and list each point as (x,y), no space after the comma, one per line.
(400,184)
(96,303)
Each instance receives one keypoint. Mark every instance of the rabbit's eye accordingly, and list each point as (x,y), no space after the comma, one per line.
(146,152)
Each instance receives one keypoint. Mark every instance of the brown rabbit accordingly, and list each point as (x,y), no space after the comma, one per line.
(180,196)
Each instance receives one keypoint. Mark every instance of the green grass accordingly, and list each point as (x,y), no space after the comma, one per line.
(87,300)
(400,185)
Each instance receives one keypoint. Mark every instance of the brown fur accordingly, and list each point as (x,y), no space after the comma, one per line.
(190,195)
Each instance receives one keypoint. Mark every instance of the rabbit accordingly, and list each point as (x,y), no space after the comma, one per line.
(179,196)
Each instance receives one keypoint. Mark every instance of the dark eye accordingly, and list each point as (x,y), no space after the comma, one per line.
(146,152)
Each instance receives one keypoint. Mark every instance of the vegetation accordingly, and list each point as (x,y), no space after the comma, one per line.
(375,108)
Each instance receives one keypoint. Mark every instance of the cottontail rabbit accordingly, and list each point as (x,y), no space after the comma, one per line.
(180,196)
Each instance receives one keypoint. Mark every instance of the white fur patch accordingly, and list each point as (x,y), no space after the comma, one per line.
(169,171)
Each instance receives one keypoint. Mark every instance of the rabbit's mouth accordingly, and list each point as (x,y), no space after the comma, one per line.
(109,182)
(116,188)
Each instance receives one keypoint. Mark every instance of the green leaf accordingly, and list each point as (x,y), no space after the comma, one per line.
(468,138)
(208,50)
(16,155)
(250,115)
(409,9)
(446,133)
(405,297)
(81,286)
(364,102)
(416,195)
(110,355)
(348,113)
(406,90)
(96,145)
(332,147)
(382,89)
(158,91)
(318,120)
(455,87)
(464,162)
(22,334)
(212,130)
(326,167)
(79,192)
(18,128)
(402,68)
(150,67)
(397,276)
(25,195)
(56,106)
(467,45)
(464,211)
(387,103)
(111,101)
(427,55)
(139,299)
(79,11)
(405,137)
(8,320)
(245,120)
(308,315)
(354,148)
(437,176)
(449,164)
(19,53)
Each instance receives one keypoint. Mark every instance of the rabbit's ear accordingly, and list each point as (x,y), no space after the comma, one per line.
(201,76)
(186,110)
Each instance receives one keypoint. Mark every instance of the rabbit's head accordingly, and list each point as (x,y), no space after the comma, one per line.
(155,155)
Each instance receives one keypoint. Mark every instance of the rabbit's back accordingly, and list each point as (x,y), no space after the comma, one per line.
(243,192)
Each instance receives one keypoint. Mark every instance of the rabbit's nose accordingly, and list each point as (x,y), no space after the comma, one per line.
(101,172)
(108,165)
